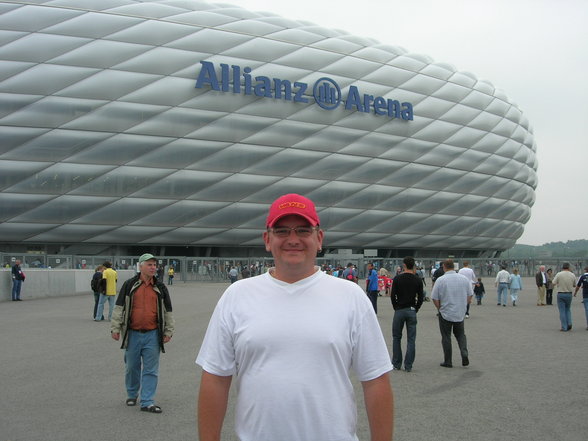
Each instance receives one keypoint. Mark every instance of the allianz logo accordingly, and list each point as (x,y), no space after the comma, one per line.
(325,91)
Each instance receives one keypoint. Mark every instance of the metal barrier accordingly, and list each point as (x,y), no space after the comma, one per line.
(216,269)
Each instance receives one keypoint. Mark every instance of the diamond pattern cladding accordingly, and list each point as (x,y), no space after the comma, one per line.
(105,139)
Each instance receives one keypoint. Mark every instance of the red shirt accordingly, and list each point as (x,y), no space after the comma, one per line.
(144,309)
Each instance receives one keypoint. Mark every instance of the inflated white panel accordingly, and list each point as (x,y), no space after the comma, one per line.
(106,139)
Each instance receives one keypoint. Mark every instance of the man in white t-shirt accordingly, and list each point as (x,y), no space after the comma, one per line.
(471,276)
(502,282)
(289,338)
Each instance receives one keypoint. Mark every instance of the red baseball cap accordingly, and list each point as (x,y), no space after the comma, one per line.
(292,204)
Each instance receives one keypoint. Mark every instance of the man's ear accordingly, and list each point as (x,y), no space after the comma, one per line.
(321,236)
(266,241)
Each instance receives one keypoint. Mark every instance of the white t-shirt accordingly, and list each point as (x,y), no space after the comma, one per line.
(290,347)
(469,274)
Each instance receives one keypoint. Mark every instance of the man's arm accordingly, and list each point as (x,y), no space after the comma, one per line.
(420,294)
(394,287)
(379,404)
(470,292)
(579,283)
(435,296)
(118,314)
(213,399)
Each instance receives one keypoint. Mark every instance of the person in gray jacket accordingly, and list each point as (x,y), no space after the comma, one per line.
(143,317)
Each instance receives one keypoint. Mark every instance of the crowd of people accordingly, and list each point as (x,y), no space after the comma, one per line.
(328,320)
(245,336)
(565,284)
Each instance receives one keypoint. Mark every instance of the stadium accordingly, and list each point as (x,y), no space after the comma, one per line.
(170,126)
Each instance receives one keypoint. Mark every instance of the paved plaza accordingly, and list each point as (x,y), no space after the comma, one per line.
(63,376)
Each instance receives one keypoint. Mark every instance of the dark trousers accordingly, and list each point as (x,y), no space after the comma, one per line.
(458,328)
(373,296)
(549,296)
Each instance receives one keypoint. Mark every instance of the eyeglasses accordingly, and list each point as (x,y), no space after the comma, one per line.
(300,231)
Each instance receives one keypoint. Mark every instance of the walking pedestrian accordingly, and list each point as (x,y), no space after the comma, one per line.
(451,294)
(564,283)
(143,318)
(516,285)
(501,283)
(110,278)
(583,283)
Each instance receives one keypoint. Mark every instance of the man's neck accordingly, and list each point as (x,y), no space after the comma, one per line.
(291,276)
(146,278)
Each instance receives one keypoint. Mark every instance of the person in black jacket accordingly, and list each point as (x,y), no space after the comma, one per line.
(479,291)
(18,278)
(407,298)
(98,285)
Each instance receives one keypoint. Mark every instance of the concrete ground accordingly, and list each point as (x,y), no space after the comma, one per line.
(62,375)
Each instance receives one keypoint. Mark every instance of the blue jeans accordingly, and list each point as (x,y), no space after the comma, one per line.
(502,292)
(16,285)
(564,303)
(142,365)
(96,299)
(402,316)
(585,302)
(100,309)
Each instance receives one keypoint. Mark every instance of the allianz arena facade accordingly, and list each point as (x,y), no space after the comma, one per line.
(176,123)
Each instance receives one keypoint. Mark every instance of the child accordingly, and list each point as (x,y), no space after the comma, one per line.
(479,291)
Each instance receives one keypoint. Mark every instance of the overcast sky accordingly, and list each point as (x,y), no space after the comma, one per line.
(536,51)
